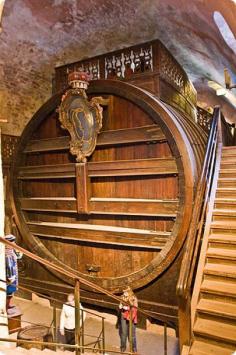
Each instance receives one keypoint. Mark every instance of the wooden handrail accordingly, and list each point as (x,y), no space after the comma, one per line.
(74,276)
(52,344)
(187,267)
(56,300)
(219,135)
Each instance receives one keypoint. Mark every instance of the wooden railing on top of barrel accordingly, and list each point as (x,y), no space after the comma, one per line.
(151,58)
(219,135)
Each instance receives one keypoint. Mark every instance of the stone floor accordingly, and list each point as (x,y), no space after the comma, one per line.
(150,342)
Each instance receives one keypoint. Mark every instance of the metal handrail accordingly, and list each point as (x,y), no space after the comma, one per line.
(200,203)
(53,344)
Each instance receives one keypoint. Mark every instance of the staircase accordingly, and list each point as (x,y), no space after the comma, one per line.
(214,327)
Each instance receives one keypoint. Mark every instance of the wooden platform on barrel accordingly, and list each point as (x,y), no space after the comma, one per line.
(14,320)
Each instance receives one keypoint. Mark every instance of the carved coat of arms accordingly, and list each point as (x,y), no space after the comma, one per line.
(81,117)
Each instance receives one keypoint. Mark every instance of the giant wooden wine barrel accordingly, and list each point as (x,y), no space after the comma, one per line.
(142,176)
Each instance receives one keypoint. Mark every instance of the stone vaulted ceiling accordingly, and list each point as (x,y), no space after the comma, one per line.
(37,35)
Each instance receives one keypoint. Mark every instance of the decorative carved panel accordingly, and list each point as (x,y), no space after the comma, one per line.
(124,64)
(171,71)
(91,67)
(9,144)
(204,119)
(81,117)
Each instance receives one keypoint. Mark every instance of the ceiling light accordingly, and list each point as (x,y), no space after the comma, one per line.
(221,92)
(226,93)
(228,81)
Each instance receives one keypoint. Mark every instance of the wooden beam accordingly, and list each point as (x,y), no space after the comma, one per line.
(60,204)
(155,166)
(47,171)
(49,144)
(134,207)
(128,237)
(150,133)
(108,206)
(82,187)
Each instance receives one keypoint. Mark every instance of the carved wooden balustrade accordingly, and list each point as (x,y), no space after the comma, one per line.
(149,65)
(8,147)
(204,119)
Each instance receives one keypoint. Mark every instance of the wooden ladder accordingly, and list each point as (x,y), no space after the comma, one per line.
(214,325)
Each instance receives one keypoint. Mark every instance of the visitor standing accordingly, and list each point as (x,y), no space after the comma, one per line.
(67,320)
(127,310)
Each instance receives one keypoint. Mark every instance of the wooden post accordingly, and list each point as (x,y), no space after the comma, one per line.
(54,324)
(165,339)
(184,323)
(82,187)
(130,331)
(103,335)
(82,328)
(77,316)
(3,313)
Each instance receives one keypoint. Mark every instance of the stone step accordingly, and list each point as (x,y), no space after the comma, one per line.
(211,287)
(215,330)
(203,347)
(216,308)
